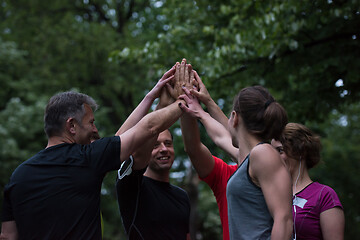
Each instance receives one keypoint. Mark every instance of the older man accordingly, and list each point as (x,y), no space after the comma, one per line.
(56,193)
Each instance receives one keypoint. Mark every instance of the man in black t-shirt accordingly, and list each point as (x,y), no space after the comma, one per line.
(56,193)
(151,207)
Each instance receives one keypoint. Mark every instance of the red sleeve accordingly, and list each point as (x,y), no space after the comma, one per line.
(219,176)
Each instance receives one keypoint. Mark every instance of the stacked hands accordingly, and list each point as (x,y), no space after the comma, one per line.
(183,83)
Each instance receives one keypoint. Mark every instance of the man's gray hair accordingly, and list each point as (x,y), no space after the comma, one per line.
(63,106)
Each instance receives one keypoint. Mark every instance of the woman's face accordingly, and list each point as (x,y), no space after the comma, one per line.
(279,147)
(290,163)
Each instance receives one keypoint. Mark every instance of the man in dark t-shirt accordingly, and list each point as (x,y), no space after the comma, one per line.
(151,207)
(56,193)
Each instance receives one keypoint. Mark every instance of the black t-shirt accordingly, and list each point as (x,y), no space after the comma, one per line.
(162,210)
(56,193)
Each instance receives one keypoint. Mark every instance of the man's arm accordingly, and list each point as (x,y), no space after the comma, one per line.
(142,155)
(199,154)
(8,231)
(267,170)
(143,108)
(148,127)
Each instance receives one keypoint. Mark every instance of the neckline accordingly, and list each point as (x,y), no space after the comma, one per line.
(303,189)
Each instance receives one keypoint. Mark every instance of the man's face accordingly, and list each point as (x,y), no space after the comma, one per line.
(87,129)
(162,156)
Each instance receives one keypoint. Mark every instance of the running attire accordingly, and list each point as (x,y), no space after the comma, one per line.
(310,203)
(217,181)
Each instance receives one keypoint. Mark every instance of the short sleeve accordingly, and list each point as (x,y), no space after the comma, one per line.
(104,154)
(219,176)
(7,214)
(329,199)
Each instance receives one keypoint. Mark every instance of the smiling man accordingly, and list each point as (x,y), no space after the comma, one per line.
(151,207)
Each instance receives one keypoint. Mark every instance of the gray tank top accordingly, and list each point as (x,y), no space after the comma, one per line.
(249,217)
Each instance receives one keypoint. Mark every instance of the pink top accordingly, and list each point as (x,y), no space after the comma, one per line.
(309,203)
(217,181)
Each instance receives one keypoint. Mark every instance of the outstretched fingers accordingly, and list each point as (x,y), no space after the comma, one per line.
(170,72)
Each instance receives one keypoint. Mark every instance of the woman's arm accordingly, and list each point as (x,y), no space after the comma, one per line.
(269,173)
(332,223)
(216,131)
(204,96)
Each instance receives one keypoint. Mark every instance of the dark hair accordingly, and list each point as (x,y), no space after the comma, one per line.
(261,114)
(63,106)
(299,142)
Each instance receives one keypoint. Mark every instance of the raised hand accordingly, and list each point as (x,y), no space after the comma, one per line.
(184,77)
(166,96)
(202,94)
(164,80)
(192,107)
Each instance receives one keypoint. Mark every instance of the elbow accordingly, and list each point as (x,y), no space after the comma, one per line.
(150,128)
(191,149)
(288,225)
(283,226)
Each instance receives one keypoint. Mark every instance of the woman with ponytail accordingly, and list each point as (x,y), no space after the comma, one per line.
(259,192)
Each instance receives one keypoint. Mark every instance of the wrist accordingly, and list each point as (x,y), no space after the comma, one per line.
(180,101)
(203,115)
(150,97)
(209,102)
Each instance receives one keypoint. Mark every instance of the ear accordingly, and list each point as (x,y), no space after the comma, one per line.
(235,119)
(70,126)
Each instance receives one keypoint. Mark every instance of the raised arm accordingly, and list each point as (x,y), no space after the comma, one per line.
(216,131)
(267,171)
(204,96)
(147,128)
(143,108)
(198,153)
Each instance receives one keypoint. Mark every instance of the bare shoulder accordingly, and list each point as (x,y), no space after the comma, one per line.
(266,166)
(265,156)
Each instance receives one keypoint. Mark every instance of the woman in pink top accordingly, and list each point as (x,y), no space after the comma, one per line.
(317,210)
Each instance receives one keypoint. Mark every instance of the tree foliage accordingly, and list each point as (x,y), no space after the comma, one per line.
(115,50)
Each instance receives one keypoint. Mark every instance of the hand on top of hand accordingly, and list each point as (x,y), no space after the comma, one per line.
(184,77)
(181,76)
(192,107)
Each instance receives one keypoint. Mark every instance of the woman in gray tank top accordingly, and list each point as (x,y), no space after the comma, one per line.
(259,192)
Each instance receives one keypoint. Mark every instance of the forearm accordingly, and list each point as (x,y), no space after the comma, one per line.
(148,127)
(140,111)
(216,112)
(199,154)
(164,118)
(190,134)
(219,135)
(282,228)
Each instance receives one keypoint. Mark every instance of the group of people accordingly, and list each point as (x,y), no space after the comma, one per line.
(267,194)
